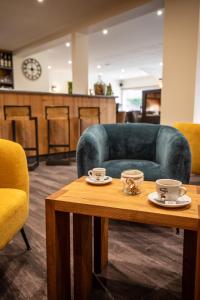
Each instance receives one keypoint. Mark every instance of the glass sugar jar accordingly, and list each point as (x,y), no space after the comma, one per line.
(132,181)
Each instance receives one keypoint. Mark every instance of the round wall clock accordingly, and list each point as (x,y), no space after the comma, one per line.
(31,68)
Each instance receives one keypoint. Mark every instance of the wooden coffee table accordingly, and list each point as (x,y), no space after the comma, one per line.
(85,201)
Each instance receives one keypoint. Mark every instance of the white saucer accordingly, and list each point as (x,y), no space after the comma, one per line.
(180,202)
(107,179)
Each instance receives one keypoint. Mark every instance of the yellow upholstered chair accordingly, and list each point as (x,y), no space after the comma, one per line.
(192,133)
(14,191)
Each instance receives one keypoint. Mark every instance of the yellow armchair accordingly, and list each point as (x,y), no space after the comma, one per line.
(192,133)
(14,191)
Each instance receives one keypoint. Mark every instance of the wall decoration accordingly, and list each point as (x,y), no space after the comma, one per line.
(31,69)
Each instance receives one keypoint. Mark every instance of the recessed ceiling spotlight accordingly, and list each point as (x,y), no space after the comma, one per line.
(159,12)
(122,70)
(98,66)
(40,1)
(49,67)
(105,31)
(68,44)
(69,62)
(161,63)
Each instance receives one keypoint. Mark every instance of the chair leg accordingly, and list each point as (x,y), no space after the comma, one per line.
(25,239)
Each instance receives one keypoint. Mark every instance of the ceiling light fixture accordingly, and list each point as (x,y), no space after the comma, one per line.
(161,63)
(122,70)
(49,67)
(159,12)
(105,31)
(68,44)
(40,1)
(69,62)
(98,66)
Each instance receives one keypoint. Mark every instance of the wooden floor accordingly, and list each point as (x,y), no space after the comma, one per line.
(144,261)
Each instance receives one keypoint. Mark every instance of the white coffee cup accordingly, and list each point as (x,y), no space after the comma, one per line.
(97,174)
(170,189)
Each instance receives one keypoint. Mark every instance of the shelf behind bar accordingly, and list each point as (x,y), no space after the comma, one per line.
(6,68)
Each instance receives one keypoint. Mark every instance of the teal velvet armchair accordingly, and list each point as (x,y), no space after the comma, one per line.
(157,150)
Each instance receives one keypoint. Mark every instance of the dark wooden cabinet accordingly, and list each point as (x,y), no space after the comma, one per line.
(151,102)
(6,70)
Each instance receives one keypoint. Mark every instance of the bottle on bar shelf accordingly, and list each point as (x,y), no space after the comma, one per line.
(1,60)
(5,61)
(9,61)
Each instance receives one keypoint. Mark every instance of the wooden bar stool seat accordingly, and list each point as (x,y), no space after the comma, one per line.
(17,114)
(88,116)
(53,115)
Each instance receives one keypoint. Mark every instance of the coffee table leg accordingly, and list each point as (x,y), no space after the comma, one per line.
(189,264)
(197,279)
(82,236)
(100,243)
(58,253)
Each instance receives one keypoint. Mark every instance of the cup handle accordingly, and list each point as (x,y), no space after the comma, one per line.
(90,173)
(182,191)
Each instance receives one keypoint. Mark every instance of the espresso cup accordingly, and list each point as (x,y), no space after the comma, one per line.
(132,180)
(170,189)
(97,174)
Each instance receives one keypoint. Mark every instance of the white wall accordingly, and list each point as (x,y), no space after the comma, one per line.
(59,79)
(141,82)
(24,84)
(52,77)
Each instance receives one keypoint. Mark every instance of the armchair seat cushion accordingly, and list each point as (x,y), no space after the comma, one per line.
(114,168)
(13,213)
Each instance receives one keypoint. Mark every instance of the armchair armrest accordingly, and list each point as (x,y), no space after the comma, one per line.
(173,154)
(92,149)
(13,166)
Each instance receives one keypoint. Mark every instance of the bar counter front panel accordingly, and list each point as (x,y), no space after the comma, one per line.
(38,102)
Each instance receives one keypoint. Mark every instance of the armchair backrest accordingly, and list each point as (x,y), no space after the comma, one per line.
(13,166)
(132,141)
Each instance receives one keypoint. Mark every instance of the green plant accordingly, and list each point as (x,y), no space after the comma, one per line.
(70,87)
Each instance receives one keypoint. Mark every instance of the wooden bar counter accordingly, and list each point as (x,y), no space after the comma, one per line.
(38,101)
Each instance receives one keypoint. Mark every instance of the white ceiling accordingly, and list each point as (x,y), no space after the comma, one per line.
(134,42)
(25,23)
(135,46)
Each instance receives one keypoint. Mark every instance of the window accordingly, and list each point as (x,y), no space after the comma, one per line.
(132,100)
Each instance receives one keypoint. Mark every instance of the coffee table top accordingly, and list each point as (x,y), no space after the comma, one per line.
(110,201)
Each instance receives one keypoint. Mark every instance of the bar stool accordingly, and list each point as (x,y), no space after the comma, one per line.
(52,114)
(88,115)
(121,116)
(17,113)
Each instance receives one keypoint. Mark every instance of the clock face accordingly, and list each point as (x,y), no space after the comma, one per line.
(31,68)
